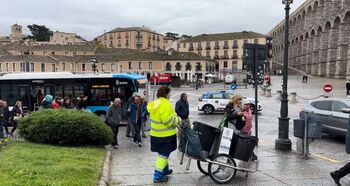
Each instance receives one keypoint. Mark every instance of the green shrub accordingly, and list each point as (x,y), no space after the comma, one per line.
(65,127)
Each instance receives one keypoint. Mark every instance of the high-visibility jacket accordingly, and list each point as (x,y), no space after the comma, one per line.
(163,118)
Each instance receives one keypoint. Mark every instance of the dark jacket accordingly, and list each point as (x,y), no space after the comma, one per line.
(348,85)
(232,117)
(6,114)
(82,104)
(2,115)
(46,105)
(133,113)
(182,109)
(113,116)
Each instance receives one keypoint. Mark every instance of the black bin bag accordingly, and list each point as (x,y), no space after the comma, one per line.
(194,148)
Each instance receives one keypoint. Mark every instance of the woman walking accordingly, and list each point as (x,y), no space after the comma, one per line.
(17,112)
(163,132)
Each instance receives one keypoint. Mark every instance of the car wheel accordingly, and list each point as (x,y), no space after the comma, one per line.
(208,109)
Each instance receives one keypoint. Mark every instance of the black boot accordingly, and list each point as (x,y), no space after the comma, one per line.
(335,178)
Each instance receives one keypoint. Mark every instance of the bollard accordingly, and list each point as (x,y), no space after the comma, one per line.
(293,96)
(268,92)
(279,92)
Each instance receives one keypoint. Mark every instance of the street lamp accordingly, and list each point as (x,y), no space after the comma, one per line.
(283,142)
(94,62)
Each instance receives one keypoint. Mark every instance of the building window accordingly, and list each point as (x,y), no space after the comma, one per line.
(7,67)
(53,68)
(168,67)
(225,64)
(150,65)
(208,53)
(216,55)
(45,53)
(42,67)
(225,54)
(130,67)
(256,41)
(14,67)
(226,45)
(113,67)
(72,66)
(83,67)
(74,53)
(63,67)
(127,43)
(52,53)
(200,53)
(31,67)
(184,45)
(1,67)
(245,41)
(140,65)
(103,67)
(66,53)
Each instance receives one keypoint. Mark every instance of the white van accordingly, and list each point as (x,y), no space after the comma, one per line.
(229,79)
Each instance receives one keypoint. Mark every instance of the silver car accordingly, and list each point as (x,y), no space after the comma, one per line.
(328,112)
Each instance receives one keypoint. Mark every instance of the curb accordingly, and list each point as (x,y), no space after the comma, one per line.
(105,177)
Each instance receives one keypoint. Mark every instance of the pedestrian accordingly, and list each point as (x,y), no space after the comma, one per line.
(248,118)
(113,118)
(47,102)
(129,127)
(144,115)
(339,174)
(17,113)
(235,117)
(163,132)
(136,111)
(348,87)
(2,118)
(6,117)
(56,104)
(182,109)
(83,102)
(67,103)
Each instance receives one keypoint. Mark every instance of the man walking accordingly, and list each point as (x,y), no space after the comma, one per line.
(182,109)
(338,174)
(129,127)
(136,116)
(113,119)
(347,87)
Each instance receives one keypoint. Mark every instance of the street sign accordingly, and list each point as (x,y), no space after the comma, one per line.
(328,88)
(233,86)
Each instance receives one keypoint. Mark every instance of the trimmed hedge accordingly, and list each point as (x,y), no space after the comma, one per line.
(65,127)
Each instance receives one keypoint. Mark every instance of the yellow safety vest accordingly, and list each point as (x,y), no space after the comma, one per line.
(163,118)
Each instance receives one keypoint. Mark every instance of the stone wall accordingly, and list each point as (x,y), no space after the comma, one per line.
(319,38)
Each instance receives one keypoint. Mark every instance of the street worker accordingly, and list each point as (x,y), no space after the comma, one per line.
(163,132)
(182,110)
(113,118)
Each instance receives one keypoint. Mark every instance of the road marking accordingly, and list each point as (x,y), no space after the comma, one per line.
(312,154)
(325,158)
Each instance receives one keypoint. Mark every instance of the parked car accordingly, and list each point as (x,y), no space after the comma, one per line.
(216,102)
(229,78)
(328,113)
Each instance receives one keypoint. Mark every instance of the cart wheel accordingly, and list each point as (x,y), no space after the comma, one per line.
(219,173)
(203,167)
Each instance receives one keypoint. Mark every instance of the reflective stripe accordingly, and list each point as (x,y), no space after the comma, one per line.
(161,156)
(163,130)
(169,120)
(156,122)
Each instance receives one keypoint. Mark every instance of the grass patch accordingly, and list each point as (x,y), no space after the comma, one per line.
(24,163)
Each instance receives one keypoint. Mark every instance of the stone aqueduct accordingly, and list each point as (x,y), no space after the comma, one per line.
(319,38)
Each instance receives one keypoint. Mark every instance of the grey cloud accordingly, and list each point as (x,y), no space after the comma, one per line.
(90,18)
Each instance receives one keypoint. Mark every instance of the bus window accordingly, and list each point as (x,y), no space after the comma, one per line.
(100,97)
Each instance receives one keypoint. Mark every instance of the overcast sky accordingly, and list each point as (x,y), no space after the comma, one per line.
(90,18)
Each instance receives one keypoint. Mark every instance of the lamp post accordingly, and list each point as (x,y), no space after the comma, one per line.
(283,142)
(94,62)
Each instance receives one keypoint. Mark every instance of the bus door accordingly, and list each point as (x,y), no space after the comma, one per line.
(49,89)
(24,96)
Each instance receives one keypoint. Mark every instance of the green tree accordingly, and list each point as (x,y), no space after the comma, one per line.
(173,36)
(39,32)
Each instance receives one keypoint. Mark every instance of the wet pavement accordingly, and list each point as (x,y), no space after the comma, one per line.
(133,165)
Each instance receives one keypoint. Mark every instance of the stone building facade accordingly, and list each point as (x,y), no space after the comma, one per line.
(63,38)
(133,38)
(319,38)
(226,48)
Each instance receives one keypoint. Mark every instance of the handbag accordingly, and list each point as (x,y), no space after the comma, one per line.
(16,118)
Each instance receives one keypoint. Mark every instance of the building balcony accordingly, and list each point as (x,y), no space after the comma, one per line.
(199,49)
(126,36)
(138,36)
(224,57)
(234,46)
(207,48)
(216,57)
(234,56)
(191,49)
(119,37)
(226,47)
(216,48)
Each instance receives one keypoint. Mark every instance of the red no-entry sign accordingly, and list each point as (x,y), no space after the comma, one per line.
(328,88)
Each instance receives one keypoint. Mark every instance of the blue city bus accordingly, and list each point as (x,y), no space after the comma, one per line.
(101,89)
